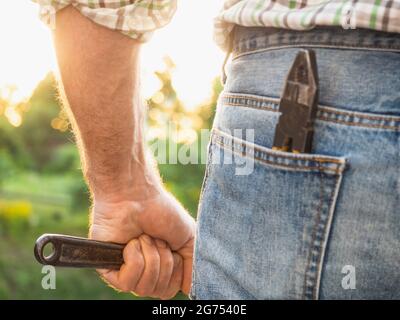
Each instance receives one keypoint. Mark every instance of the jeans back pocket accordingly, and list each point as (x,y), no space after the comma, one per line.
(264,221)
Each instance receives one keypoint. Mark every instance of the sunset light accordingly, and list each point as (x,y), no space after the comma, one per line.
(27,54)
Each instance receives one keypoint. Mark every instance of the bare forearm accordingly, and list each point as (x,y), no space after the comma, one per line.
(99,72)
(99,75)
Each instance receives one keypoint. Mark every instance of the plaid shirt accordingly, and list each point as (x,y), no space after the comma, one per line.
(135,18)
(138,18)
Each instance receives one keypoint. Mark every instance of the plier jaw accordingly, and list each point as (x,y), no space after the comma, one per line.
(298,105)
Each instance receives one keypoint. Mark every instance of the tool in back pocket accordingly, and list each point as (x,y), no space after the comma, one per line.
(298,105)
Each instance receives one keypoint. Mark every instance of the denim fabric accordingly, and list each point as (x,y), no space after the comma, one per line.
(296,226)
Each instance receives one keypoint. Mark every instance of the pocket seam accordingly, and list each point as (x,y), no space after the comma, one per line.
(312,278)
(325,113)
(338,163)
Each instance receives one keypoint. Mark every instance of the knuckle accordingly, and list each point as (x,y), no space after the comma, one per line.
(169,262)
(139,264)
(133,257)
(153,259)
(177,260)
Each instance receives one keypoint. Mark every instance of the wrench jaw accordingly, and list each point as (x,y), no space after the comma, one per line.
(298,106)
(38,250)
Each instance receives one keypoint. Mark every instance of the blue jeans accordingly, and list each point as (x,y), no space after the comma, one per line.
(324,225)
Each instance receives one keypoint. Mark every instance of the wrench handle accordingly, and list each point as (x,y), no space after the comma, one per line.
(78,252)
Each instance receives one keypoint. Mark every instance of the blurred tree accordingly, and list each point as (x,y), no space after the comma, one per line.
(27,127)
(42,125)
(165,108)
(207,109)
(171,123)
(12,149)
(7,167)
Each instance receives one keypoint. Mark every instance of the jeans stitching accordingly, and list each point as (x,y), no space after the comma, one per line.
(226,100)
(207,172)
(322,109)
(237,53)
(327,228)
(310,259)
(322,227)
(337,170)
(295,157)
(327,109)
(224,136)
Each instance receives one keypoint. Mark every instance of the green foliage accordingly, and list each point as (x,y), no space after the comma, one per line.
(184,182)
(12,148)
(33,142)
(64,158)
(6,165)
(80,196)
(40,139)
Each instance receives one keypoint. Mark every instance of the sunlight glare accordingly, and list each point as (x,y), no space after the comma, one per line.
(13,117)
(27,54)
